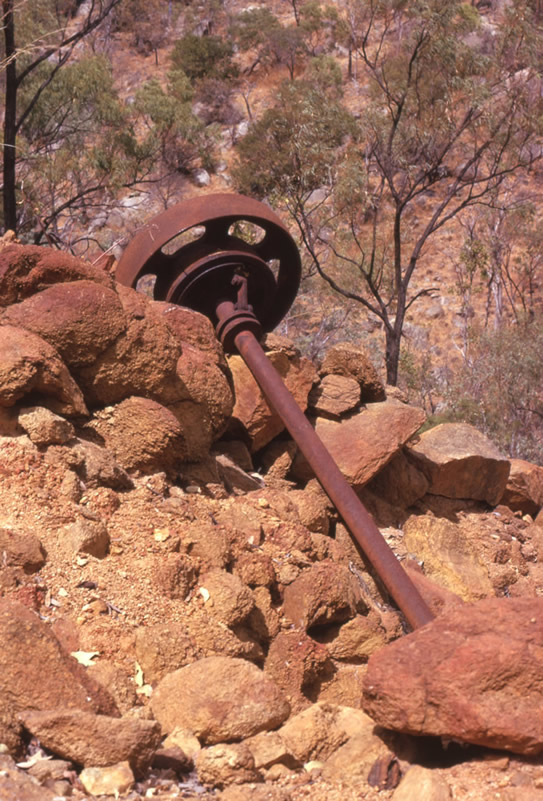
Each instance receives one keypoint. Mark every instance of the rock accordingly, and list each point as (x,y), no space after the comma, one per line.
(192,328)
(183,740)
(296,663)
(399,482)
(121,686)
(347,360)
(313,509)
(255,792)
(220,699)
(201,177)
(79,319)
(437,597)
(255,568)
(30,652)
(421,784)
(524,489)
(172,758)
(115,780)
(88,536)
(473,674)
(142,435)
(97,467)
(175,575)
(343,685)
(44,427)
(449,554)
(207,543)
(224,764)
(21,549)
(362,444)
(229,599)
(163,648)
(234,478)
(277,458)
(26,269)
(30,366)
(460,462)
(355,640)
(334,395)
(325,593)
(268,748)
(47,768)
(151,360)
(141,362)
(352,762)
(208,384)
(95,740)
(314,733)
(252,410)
(16,784)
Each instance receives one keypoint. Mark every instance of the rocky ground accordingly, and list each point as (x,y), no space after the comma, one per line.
(184,616)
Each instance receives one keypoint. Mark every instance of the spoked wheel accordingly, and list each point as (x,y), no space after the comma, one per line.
(194,251)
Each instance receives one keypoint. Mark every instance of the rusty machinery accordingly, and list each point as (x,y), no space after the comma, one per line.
(231,258)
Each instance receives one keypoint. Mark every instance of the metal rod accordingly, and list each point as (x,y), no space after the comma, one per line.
(359,522)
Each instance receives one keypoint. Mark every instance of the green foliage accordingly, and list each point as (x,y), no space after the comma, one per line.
(173,132)
(204,57)
(253,27)
(324,73)
(290,149)
(500,388)
(79,103)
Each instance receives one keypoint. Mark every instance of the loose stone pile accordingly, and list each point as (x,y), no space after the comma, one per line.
(179,601)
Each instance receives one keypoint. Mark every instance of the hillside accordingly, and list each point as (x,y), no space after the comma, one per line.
(164,107)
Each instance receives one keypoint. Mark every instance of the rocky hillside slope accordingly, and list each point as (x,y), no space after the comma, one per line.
(184,616)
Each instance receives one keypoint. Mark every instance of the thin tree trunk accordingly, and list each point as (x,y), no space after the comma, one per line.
(10,116)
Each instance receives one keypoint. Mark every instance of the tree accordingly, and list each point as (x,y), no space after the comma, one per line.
(33,62)
(287,153)
(203,57)
(499,388)
(443,125)
(76,149)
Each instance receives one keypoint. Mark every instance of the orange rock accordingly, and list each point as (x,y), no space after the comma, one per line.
(524,490)
(472,674)
(362,444)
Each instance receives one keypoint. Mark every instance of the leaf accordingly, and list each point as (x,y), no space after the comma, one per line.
(85,657)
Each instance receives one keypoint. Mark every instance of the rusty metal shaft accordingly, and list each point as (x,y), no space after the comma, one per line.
(359,522)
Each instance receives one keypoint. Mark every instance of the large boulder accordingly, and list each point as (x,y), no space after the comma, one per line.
(450,555)
(144,435)
(219,699)
(80,319)
(95,739)
(362,444)
(460,462)
(26,269)
(31,366)
(37,674)
(474,674)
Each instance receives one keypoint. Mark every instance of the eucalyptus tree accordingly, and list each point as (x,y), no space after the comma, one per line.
(40,38)
(449,113)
